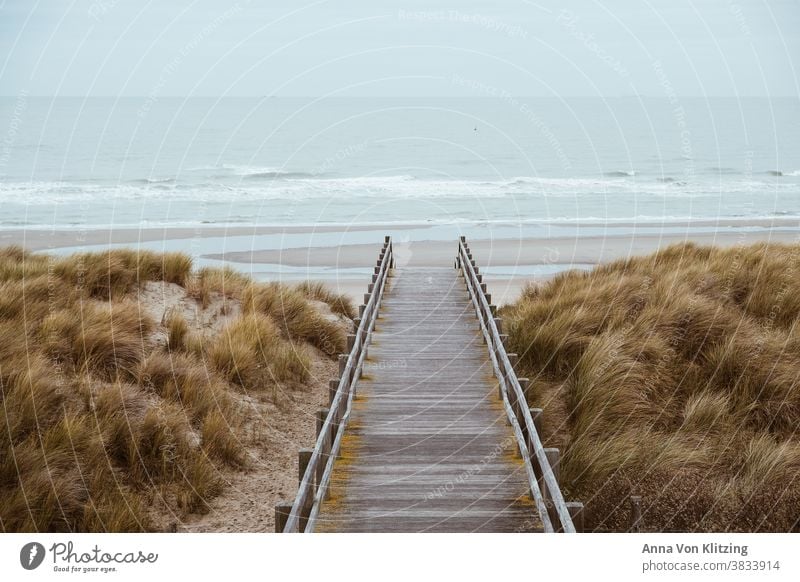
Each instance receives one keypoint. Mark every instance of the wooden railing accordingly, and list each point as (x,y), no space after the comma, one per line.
(316,465)
(541,464)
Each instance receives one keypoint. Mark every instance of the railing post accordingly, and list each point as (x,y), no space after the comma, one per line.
(636,513)
(304,457)
(322,413)
(343,366)
(333,387)
(327,440)
(536,415)
(552,460)
(511,394)
(575,509)
(523,384)
(498,322)
(282,511)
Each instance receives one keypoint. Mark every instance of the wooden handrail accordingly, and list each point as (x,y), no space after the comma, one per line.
(553,510)
(316,477)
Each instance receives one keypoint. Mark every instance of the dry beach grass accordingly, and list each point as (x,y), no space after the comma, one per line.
(120,414)
(674,376)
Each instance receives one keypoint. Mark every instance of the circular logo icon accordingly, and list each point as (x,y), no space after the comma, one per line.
(31,555)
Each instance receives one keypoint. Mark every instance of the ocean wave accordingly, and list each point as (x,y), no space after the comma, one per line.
(278,174)
(620,174)
(231,168)
(152,181)
(223,171)
(724,170)
(380,187)
(779,173)
(609,223)
(564,183)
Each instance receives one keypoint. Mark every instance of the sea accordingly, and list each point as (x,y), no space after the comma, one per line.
(493,166)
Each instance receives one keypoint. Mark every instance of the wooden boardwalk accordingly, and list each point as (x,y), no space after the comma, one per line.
(428,447)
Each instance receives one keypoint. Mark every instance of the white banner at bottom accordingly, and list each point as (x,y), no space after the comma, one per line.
(119,557)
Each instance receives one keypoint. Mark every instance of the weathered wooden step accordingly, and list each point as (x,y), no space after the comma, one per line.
(427,447)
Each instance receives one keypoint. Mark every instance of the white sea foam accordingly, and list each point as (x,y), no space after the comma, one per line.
(370,187)
(282,161)
(589,224)
(233,171)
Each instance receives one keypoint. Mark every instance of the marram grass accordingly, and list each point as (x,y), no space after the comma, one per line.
(102,427)
(674,376)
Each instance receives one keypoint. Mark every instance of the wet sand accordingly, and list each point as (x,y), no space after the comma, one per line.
(42,239)
(589,250)
(507,263)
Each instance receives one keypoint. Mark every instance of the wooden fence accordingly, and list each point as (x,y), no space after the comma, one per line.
(541,464)
(316,465)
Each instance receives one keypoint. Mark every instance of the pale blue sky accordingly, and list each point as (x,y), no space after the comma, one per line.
(399,48)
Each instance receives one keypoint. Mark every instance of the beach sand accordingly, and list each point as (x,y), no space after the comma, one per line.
(507,263)
(42,239)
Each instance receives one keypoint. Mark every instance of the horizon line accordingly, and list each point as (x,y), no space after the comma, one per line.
(516,96)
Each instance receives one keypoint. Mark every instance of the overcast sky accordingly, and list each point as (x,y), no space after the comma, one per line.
(399,48)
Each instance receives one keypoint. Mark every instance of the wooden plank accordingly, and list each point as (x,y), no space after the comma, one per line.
(315,477)
(511,392)
(427,447)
